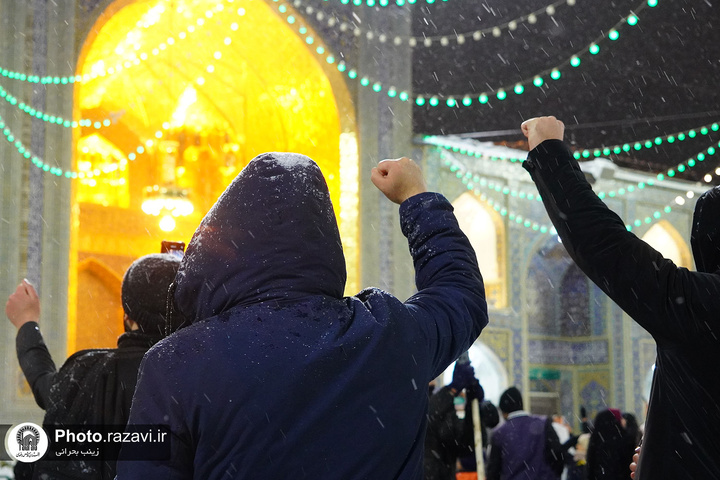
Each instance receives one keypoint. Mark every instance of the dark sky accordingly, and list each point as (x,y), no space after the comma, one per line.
(660,77)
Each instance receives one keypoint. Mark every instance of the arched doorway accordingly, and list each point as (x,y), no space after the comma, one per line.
(489,371)
(175,97)
(664,238)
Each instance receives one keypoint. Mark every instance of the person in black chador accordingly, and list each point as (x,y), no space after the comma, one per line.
(678,307)
(93,387)
(607,455)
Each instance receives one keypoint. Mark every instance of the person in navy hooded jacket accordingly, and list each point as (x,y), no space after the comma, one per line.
(279,375)
(678,307)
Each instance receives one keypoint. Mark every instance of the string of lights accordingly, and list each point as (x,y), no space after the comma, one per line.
(452,100)
(538,80)
(428,41)
(467,99)
(385,3)
(481,186)
(463,147)
(466,148)
(134,59)
(647,143)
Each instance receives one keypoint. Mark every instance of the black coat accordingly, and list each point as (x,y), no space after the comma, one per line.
(93,387)
(678,307)
(607,455)
(447,438)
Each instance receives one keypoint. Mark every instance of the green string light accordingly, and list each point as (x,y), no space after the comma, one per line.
(651,143)
(573,61)
(500,94)
(128,63)
(465,175)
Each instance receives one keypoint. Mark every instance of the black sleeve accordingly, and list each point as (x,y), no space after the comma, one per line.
(35,362)
(554,451)
(632,273)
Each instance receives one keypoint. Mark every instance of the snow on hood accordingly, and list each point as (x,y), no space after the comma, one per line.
(705,237)
(271,236)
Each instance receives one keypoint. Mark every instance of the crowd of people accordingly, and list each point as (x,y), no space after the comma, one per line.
(249,353)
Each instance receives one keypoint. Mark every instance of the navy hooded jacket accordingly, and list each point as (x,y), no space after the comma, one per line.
(678,307)
(280,376)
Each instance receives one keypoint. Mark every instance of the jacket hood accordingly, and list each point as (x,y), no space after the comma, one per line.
(271,236)
(705,237)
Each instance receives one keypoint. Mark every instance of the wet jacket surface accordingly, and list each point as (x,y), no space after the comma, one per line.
(678,307)
(279,375)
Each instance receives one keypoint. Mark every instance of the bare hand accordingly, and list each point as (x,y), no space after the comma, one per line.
(633,465)
(23,306)
(539,129)
(398,179)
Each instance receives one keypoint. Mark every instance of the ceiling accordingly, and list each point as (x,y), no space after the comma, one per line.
(658,78)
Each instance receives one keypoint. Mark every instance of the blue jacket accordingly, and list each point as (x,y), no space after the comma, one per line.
(279,375)
(678,307)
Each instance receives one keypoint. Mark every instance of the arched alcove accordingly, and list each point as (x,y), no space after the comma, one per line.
(664,238)
(486,232)
(174,98)
(489,371)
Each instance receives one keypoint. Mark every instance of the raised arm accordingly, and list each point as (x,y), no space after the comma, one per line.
(450,303)
(651,289)
(23,311)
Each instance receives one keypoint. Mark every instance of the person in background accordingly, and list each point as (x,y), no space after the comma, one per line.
(525,446)
(578,470)
(678,307)
(584,422)
(567,440)
(606,459)
(489,419)
(278,374)
(632,437)
(96,386)
(449,437)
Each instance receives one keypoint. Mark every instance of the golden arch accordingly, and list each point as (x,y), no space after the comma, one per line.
(188,91)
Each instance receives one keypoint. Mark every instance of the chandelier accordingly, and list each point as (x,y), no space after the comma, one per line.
(167,200)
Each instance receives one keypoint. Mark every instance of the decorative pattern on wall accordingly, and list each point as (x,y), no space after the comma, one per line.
(545,275)
(498,340)
(561,352)
(574,314)
(594,391)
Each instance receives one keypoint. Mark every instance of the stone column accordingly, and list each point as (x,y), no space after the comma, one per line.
(36,38)
(57,152)
(385,132)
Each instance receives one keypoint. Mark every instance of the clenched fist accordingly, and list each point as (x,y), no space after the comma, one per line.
(398,179)
(539,129)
